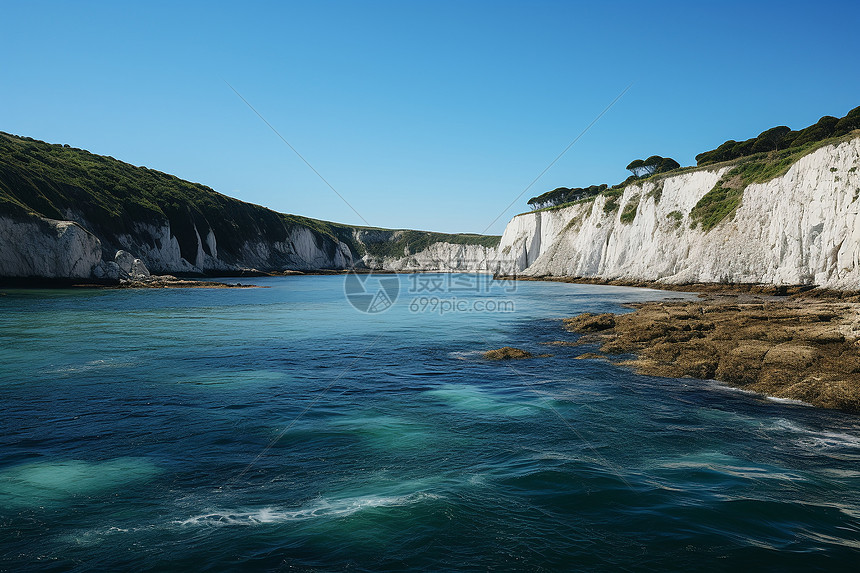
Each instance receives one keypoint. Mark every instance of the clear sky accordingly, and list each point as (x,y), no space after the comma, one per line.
(423,114)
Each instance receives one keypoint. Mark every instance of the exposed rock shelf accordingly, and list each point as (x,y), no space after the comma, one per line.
(800,349)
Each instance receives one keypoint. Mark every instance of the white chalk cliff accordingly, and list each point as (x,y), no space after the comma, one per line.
(800,228)
(38,247)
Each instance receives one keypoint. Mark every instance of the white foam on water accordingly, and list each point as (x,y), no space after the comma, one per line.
(783,424)
(716,384)
(466,354)
(47,482)
(820,438)
(727,418)
(722,386)
(321,509)
(788,401)
(92,537)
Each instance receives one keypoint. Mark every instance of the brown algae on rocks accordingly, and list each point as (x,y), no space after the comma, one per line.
(801,349)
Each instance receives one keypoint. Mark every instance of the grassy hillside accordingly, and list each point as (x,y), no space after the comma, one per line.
(110,197)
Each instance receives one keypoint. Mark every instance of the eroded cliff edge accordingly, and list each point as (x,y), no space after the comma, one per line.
(802,227)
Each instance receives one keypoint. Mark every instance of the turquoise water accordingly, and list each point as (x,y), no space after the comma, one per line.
(281,429)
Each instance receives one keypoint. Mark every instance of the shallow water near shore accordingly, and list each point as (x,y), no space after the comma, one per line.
(281,429)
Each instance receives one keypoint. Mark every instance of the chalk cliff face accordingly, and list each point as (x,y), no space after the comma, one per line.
(66,213)
(299,248)
(38,247)
(800,228)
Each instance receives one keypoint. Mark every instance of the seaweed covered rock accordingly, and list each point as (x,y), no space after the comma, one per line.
(507,353)
(587,322)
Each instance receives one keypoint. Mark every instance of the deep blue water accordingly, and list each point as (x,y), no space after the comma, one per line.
(281,429)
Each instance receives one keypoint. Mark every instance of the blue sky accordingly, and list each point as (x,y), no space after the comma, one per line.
(425,115)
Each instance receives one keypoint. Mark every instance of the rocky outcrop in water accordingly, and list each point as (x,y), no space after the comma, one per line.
(800,349)
(507,353)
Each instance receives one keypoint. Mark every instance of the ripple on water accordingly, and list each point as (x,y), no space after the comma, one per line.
(227,377)
(471,398)
(718,464)
(283,439)
(90,366)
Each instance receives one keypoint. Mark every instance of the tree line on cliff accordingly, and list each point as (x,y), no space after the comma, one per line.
(773,140)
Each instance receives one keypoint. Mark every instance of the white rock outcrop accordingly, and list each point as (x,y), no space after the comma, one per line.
(39,247)
(129,266)
(800,228)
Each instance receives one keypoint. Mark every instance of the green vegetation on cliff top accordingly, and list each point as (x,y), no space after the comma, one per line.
(111,198)
(755,160)
(723,200)
(782,137)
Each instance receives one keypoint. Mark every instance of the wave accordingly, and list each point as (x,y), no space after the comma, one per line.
(325,508)
(720,463)
(723,386)
(823,438)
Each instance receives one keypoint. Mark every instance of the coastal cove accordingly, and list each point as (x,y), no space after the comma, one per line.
(279,428)
(430,286)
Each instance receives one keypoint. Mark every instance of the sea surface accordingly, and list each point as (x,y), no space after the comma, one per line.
(281,429)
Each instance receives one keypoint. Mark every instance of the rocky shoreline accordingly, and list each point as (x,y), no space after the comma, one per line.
(798,347)
(170,281)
